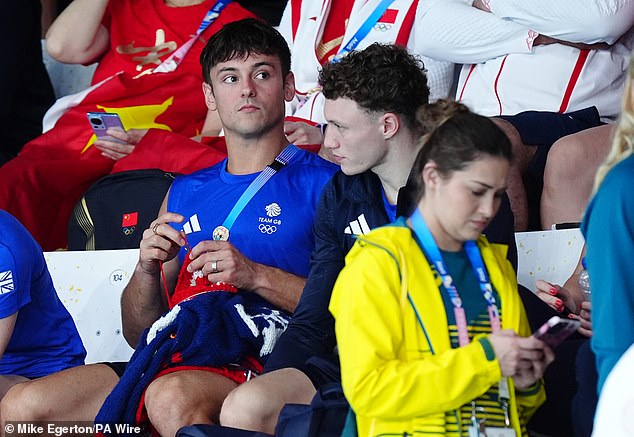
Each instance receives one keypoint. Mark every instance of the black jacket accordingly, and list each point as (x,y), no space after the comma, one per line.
(348,204)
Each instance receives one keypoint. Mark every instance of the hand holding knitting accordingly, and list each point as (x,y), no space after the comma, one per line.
(160,243)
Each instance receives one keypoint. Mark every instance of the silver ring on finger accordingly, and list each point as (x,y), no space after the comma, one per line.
(214,266)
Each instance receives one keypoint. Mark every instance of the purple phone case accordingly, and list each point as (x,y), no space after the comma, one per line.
(102,121)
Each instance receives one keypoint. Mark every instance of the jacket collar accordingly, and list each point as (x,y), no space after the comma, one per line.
(366,188)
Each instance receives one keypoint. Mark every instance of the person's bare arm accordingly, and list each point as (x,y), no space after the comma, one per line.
(278,287)
(6,331)
(77,35)
(546,40)
(281,288)
(144,300)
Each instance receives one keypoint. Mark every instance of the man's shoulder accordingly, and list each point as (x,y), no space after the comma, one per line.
(352,204)
(362,187)
(204,174)
(313,161)
(17,248)
(13,234)
(310,168)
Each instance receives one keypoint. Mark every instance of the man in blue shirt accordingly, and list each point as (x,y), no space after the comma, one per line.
(260,245)
(37,334)
(372,97)
(206,231)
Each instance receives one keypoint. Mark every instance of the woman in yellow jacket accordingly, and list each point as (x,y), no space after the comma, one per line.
(433,338)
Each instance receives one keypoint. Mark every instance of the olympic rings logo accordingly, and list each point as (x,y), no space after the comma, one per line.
(267,229)
(128,230)
(382,27)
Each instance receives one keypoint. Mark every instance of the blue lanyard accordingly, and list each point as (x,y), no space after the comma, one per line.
(363,31)
(475,258)
(212,14)
(280,161)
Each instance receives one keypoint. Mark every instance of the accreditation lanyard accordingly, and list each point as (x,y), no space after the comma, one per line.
(280,161)
(473,253)
(363,31)
(177,57)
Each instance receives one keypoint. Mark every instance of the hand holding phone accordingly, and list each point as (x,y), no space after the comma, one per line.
(102,121)
(556,330)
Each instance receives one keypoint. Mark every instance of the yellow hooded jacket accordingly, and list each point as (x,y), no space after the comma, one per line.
(399,378)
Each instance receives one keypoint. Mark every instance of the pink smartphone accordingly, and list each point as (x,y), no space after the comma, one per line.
(102,121)
(556,330)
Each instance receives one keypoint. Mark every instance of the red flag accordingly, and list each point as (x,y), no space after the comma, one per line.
(173,153)
(42,185)
(389,16)
(130,219)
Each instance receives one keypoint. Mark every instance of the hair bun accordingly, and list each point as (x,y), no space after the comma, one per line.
(435,114)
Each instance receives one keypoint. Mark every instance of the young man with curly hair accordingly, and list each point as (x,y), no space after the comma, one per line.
(372,97)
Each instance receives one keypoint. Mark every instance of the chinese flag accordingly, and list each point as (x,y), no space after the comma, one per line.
(130,219)
(42,185)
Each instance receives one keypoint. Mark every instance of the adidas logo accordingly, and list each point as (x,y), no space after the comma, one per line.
(191,225)
(358,226)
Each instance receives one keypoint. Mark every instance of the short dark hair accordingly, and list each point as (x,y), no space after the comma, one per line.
(381,78)
(454,138)
(242,38)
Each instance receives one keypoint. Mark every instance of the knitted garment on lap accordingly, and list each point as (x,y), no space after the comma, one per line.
(207,329)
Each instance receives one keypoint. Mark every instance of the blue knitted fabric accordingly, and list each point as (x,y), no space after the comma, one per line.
(212,329)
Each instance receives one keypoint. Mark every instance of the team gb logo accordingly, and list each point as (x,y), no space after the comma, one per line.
(273,210)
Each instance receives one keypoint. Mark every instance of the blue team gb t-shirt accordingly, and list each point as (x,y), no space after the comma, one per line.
(276,226)
(44,339)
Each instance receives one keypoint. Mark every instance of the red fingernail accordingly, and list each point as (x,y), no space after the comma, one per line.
(553,291)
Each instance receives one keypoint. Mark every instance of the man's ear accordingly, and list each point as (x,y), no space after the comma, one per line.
(431,175)
(391,124)
(210,100)
(289,86)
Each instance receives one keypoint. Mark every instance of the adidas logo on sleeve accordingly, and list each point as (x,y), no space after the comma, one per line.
(358,226)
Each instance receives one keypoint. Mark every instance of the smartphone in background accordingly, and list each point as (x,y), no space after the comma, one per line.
(556,330)
(102,121)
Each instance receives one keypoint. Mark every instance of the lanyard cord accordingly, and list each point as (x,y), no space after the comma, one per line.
(174,60)
(432,252)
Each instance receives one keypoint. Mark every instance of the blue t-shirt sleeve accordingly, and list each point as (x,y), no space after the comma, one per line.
(9,284)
